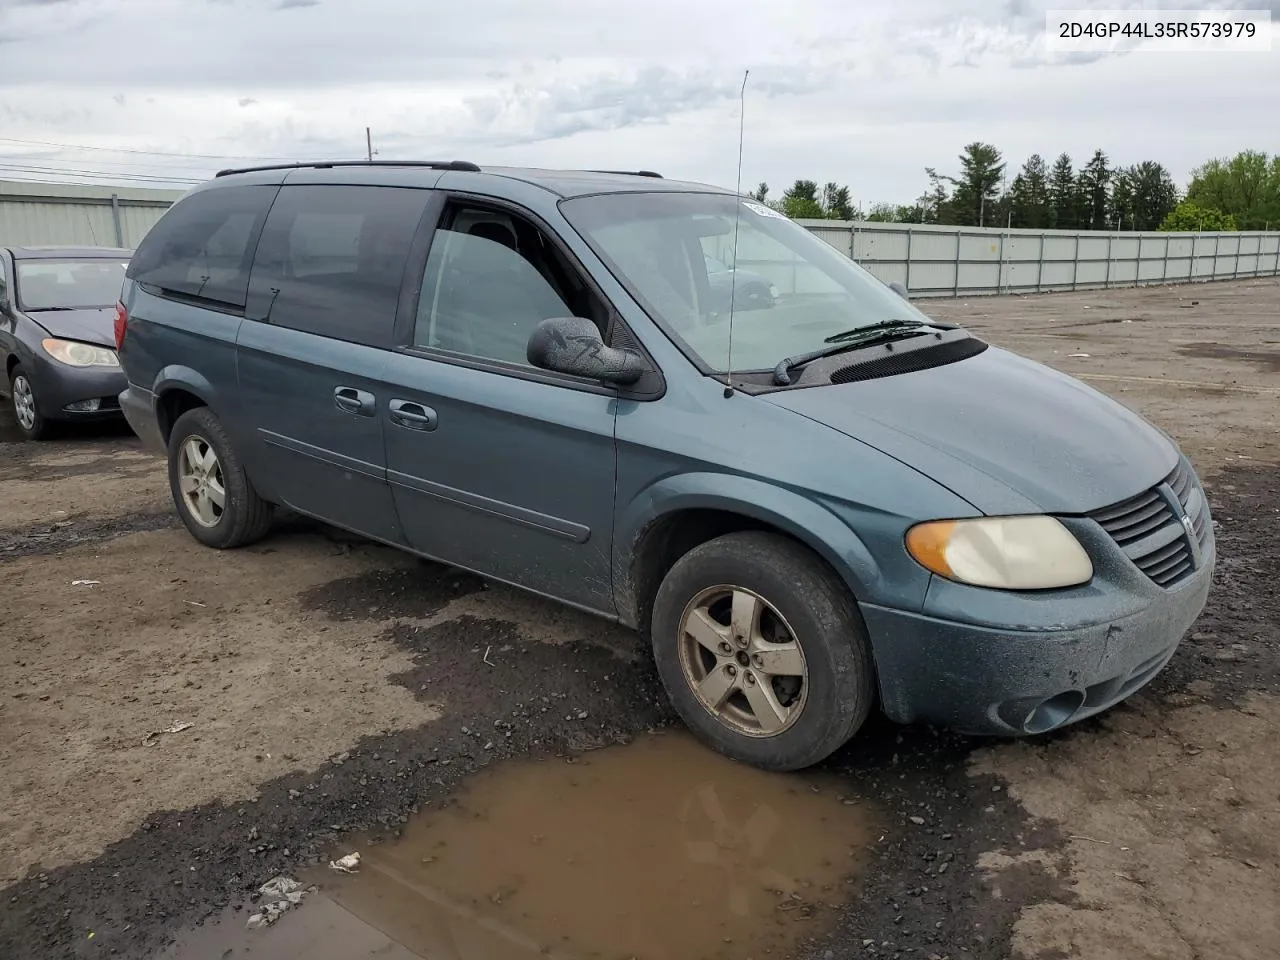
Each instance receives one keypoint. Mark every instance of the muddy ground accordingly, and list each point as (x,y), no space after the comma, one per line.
(336,688)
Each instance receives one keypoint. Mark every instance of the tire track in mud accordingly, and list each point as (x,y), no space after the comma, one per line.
(41,539)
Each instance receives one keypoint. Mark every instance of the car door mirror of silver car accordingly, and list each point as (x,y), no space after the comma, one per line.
(573,345)
(897,287)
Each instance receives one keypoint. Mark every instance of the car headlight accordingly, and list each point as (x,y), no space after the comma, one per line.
(76,354)
(1008,553)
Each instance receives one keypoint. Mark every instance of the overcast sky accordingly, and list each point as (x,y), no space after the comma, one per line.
(864,92)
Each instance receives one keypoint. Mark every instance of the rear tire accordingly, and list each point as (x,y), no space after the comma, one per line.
(213,494)
(762,651)
(26,410)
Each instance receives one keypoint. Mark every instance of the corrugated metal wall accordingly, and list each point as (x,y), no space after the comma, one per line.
(35,214)
(936,261)
(931,261)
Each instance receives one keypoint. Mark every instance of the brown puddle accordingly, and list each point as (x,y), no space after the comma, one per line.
(660,850)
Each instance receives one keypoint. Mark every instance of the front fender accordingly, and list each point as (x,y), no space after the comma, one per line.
(804,518)
(24,335)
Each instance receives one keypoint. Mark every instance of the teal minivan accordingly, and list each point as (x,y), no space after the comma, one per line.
(811,498)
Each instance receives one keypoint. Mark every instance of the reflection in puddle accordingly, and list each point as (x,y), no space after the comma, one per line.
(656,851)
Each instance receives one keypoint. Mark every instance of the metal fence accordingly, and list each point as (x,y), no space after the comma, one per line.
(933,261)
(57,214)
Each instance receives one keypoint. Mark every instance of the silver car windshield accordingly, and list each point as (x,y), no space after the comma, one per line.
(789,292)
(69,284)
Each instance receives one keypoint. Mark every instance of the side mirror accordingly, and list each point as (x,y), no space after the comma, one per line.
(573,345)
(899,289)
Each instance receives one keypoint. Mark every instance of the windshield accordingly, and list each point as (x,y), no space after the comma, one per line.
(69,284)
(667,247)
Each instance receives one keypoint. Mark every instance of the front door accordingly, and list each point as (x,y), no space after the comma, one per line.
(496,466)
(322,306)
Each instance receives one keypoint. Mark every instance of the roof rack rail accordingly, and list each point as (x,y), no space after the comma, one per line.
(630,173)
(326,164)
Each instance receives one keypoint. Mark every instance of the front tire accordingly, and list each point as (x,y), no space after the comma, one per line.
(762,651)
(213,494)
(31,422)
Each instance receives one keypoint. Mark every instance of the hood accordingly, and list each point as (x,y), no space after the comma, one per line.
(1007,434)
(95,325)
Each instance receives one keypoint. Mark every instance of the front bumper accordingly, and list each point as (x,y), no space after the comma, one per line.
(1027,679)
(59,387)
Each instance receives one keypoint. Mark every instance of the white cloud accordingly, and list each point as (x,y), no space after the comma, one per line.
(866,94)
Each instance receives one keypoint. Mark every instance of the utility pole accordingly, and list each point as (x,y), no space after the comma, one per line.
(368,143)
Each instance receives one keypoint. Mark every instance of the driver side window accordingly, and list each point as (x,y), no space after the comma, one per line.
(491,277)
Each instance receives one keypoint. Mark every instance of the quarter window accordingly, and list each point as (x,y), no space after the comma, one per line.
(203,246)
(332,258)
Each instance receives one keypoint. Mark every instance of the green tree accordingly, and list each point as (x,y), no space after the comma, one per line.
(936,201)
(1093,189)
(1120,205)
(837,204)
(1029,195)
(882,213)
(1189,217)
(1063,211)
(1247,186)
(800,202)
(761,193)
(977,189)
(911,212)
(1141,196)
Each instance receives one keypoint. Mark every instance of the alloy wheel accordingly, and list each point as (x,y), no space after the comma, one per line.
(742,661)
(24,402)
(201,482)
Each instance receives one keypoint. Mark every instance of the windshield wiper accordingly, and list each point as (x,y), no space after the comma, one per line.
(850,340)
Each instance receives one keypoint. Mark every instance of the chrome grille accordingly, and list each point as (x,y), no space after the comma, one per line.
(1150,530)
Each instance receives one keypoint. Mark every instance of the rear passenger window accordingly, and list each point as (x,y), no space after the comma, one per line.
(332,258)
(203,246)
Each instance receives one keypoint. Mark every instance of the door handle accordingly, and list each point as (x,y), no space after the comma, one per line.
(351,400)
(413,416)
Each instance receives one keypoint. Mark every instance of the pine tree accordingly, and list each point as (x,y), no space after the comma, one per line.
(1093,187)
(1062,195)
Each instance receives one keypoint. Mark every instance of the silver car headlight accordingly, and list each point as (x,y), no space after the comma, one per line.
(1008,553)
(76,354)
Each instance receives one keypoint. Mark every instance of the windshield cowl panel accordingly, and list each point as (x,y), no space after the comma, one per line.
(790,292)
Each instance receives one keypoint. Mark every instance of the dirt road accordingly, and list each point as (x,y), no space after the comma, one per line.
(334,689)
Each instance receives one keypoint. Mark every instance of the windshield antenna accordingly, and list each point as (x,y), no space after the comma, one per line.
(737,215)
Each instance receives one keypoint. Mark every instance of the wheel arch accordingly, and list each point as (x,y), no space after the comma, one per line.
(177,390)
(680,513)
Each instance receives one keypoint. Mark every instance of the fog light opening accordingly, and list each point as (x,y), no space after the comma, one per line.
(84,406)
(1053,712)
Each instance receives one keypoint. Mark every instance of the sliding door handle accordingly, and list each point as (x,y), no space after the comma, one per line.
(412,416)
(351,400)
